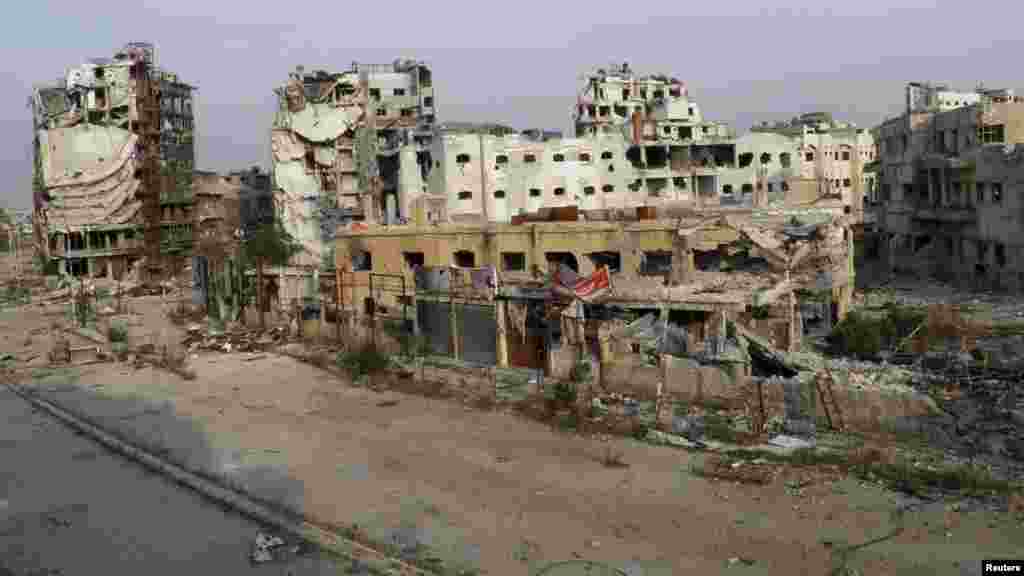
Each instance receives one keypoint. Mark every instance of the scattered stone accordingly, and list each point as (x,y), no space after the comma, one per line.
(264,548)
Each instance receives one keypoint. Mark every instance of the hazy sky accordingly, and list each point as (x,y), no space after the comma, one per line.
(517,62)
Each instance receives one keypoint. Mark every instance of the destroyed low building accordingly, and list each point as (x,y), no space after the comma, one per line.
(90,172)
(949,169)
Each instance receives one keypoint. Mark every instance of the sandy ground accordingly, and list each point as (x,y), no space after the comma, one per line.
(492,489)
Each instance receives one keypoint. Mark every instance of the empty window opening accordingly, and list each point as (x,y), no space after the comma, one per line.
(685,132)
(399,91)
(534,192)
(846,154)
(620,110)
(513,261)
(635,186)
(634,157)
(608,188)
(375,93)
(765,158)
(462,158)
(588,190)
(584,157)
(382,111)
(727,189)
(362,261)
(625,93)
(659,94)
(567,258)
(613,260)
(771,187)
(679,182)
(921,241)
(428,101)
(559,158)
(1000,254)
(559,191)
(809,156)
(656,263)
(407,112)
(500,160)
(745,159)
(997,192)
(667,129)
(657,157)
(606,155)
(529,158)
(981,192)
(310,160)
(992,134)
(465,195)
(464,259)
(604,110)
(747,188)
(846,182)
(499,194)
(611,167)
(414,259)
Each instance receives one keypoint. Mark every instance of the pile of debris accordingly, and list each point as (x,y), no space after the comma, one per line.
(236,339)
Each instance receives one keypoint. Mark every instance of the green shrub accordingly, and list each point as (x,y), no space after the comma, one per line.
(363,360)
(117,332)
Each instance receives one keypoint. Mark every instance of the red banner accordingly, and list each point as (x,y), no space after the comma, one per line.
(597,281)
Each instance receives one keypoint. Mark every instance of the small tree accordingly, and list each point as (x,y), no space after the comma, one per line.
(269,244)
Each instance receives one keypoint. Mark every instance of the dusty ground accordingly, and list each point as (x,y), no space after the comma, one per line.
(492,489)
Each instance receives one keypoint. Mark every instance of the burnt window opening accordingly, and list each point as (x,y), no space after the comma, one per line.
(608,188)
(462,159)
(534,192)
(613,260)
(414,259)
(588,190)
(606,155)
(362,261)
(746,159)
(499,194)
(766,158)
(679,182)
(529,158)
(727,189)
(465,195)
(584,157)
(513,261)
(559,191)
(464,259)
(656,263)
(559,157)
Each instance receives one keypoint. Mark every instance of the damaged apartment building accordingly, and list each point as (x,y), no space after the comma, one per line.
(813,155)
(342,144)
(950,169)
(92,183)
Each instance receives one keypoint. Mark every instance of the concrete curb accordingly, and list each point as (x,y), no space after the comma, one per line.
(235,500)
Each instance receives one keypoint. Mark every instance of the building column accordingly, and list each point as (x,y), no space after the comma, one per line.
(502,344)
(110,268)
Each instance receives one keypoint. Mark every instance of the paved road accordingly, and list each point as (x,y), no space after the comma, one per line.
(68,507)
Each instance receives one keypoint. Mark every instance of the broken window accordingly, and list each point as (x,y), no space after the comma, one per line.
(608,188)
(535,192)
(679,182)
(656,263)
(559,191)
(362,261)
(529,158)
(465,195)
(464,259)
(588,190)
(745,159)
(513,261)
(500,160)
(462,159)
(846,182)
(765,158)
(559,157)
(613,260)
(991,134)
(606,155)
(499,194)
(997,192)
(414,259)
(584,157)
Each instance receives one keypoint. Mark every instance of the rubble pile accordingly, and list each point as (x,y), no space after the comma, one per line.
(236,339)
